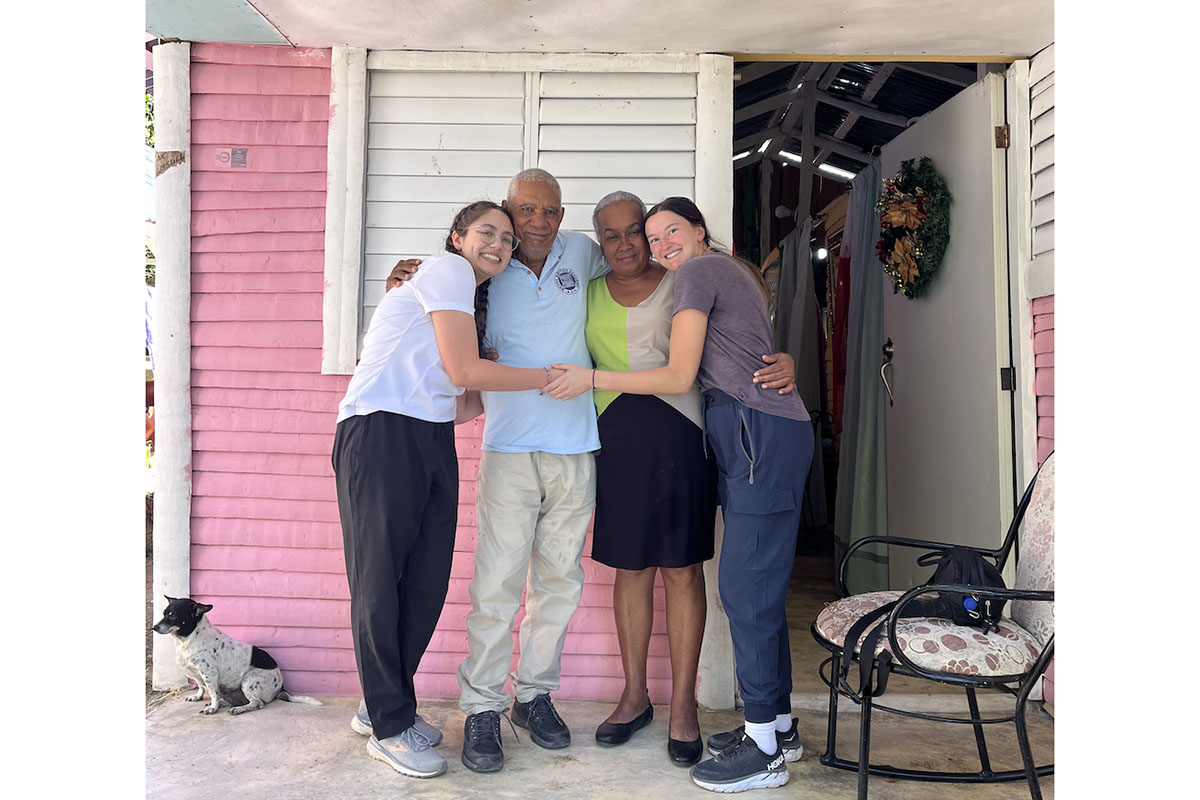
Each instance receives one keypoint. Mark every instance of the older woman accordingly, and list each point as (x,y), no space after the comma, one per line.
(656,487)
(763,444)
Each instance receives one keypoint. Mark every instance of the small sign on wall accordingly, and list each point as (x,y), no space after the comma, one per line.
(232,157)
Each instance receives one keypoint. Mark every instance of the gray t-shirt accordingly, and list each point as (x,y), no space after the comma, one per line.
(738,332)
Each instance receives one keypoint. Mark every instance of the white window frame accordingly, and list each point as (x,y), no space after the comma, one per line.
(345,184)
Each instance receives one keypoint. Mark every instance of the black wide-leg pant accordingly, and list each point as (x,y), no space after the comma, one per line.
(397,490)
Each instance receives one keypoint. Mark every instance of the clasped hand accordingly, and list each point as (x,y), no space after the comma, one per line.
(572,381)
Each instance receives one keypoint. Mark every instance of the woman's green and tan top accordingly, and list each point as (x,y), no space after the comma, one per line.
(624,339)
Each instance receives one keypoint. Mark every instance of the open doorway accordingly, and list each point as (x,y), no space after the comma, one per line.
(802,131)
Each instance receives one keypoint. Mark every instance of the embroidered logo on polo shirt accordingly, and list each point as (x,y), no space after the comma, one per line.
(566,280)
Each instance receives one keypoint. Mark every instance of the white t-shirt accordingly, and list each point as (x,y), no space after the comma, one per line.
(400,369)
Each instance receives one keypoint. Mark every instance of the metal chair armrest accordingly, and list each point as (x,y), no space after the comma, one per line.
(900,541)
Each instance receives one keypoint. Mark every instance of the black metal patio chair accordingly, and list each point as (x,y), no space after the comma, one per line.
(1010,660)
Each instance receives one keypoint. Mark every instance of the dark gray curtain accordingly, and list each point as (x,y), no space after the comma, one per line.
(798,333)
(860,509)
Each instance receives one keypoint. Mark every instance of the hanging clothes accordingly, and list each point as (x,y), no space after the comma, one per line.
(798,333)
(841,311)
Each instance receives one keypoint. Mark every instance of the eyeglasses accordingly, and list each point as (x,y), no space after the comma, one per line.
(489,234)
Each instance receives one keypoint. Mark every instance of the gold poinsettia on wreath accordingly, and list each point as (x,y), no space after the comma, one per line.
(914,221)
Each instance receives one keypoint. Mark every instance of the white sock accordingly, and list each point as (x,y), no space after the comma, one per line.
(783,722)
(763,734)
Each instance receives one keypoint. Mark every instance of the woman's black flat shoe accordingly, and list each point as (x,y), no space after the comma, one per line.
(684,753)
(614,733)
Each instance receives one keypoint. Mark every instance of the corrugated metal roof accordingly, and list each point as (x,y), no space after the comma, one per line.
(911,95)
(883,98)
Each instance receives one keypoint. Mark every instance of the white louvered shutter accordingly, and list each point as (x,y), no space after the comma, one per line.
(1041,112)
(438,140)
(600,132)
(435,142)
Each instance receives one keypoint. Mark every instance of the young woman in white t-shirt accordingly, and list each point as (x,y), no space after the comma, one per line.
(397,472)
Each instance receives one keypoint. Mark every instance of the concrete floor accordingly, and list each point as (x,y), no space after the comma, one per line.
(288,751)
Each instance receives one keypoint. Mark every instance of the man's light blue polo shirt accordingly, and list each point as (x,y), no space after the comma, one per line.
(535,323)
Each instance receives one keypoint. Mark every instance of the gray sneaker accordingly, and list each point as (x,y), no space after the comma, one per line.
(788,742)
(408,753)
(361,723)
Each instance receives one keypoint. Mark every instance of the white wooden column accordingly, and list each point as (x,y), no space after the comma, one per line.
(714,196)
(172,341)
(345,186)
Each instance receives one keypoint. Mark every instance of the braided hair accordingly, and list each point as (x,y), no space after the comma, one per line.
(463,220)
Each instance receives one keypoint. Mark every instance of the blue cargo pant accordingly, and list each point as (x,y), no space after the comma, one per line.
(762,462)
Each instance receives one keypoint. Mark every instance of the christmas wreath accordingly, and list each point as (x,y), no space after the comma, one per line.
(914,221)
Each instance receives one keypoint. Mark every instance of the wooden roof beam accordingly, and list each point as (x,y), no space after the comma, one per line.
(877,82)
(755,140)
(862,108)
(843,148)
(804,72)
(830,76)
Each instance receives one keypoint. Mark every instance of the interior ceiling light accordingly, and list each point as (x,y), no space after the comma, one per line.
(791,156)
(741,155)
(841,173)
(764,146)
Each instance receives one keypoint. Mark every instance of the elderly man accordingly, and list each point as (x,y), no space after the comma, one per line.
(536,488)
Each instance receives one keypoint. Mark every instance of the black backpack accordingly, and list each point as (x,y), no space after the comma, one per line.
(959,566)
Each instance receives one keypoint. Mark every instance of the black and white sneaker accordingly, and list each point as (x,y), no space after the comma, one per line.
(789,742)
(740,767)
(546,727)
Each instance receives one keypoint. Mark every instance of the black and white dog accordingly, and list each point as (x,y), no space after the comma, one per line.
(233,673)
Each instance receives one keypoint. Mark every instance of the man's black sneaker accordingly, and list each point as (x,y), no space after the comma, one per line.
(739,767)
(789,742)
(481,742)
(546,727)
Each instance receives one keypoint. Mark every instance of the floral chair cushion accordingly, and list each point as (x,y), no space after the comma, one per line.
(938,644)
(1035,556)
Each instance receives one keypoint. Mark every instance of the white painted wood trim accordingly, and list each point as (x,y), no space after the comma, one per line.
(714,196)
(172,339)
(1020,253)
(714,144)
(533,134)
(1039,277)
(1041,64)
(716,677)
(345,190)
(997,87)
(534,62)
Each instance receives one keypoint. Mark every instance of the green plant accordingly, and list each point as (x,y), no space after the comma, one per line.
(149,267)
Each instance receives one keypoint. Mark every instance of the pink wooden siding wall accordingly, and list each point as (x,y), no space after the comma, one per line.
(1043,380)
(266,543)
(1043,388)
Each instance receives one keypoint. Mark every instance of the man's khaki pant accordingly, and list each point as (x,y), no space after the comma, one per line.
(533,511)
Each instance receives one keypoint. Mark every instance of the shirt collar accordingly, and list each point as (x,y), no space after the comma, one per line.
(556,251)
